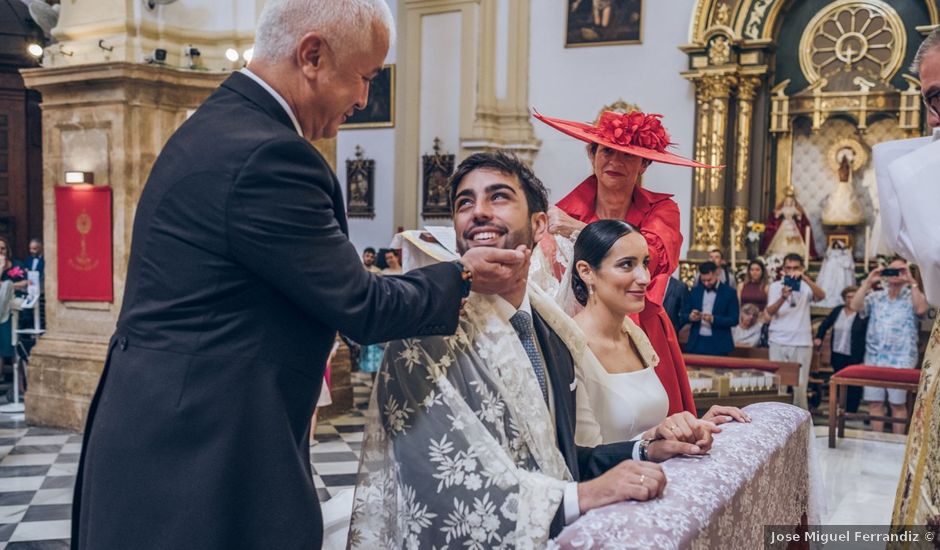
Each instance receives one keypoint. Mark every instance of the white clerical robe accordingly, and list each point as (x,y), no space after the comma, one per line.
(910,203)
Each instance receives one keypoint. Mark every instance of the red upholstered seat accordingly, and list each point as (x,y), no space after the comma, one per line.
(882,374)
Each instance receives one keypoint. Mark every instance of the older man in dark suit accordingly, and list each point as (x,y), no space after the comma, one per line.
(712,308)
(197,434)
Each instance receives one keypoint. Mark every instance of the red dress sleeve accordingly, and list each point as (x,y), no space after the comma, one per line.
(661,229)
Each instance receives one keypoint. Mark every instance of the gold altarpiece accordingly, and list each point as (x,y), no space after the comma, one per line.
(846,64)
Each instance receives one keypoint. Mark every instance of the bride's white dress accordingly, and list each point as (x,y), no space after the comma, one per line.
(624,405)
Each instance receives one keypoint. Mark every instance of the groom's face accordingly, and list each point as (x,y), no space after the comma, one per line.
(490,209)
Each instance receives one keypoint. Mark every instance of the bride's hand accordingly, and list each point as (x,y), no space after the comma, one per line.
(719,414)
(686,428)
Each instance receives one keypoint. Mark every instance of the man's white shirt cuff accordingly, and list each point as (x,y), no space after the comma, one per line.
(571,503)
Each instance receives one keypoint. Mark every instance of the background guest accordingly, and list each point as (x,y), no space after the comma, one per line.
(712,308)
(368,260)
(755,286)
(36,260)
(392,263)
(724,272)
(13,272)
(791,334)
(848,340)
(891,340)
(748,332)
(676,295)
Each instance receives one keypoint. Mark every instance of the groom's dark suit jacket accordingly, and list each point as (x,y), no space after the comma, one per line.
(240,275)
(585,463)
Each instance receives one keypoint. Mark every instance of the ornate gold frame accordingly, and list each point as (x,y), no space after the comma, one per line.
(390,123)
(639,40)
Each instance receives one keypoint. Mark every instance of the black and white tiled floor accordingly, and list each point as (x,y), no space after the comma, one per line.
(38,467)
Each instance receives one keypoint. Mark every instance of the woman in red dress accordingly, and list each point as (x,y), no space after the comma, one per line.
(621,147)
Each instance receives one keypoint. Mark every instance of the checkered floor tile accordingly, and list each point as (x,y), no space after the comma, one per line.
(38,467)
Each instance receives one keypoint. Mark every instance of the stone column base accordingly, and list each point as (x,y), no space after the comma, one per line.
(62,377)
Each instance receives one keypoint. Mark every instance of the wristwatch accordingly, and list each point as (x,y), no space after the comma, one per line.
(644,449)
(466,276)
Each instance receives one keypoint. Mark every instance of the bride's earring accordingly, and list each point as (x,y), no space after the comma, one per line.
(591,293)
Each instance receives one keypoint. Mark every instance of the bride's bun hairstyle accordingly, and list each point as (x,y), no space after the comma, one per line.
(592,246)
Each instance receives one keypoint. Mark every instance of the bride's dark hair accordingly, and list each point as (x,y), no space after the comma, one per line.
(592,246)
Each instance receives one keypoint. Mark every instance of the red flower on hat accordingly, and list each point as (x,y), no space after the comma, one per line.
(633,128)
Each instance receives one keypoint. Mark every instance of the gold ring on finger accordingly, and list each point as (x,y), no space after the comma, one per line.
(642,478)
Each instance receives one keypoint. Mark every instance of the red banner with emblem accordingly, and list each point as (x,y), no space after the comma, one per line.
(83,228)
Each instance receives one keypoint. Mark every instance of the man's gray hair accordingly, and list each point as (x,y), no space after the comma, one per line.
(930,43)
(346,25)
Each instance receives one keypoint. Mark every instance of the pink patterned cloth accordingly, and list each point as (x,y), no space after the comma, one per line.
(757,474)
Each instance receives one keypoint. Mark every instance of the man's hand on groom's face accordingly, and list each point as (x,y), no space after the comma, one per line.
(495,269)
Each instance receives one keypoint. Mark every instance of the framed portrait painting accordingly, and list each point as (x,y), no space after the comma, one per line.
(435,172)
(360,186)
(380,111)
(603,22)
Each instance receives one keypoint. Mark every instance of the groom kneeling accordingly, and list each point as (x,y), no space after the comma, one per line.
(470,439)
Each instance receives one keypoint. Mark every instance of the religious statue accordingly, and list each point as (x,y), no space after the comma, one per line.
(786,228)
(842,207)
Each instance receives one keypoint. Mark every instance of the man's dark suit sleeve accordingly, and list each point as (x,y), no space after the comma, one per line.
(594,461)
(828,322)
(730,315)
(280,213)
(687,308)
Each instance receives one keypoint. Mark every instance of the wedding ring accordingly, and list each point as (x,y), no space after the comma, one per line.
(642,478)
(674,428)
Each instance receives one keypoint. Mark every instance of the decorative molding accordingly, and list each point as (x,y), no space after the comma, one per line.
(840,36)
(707,227)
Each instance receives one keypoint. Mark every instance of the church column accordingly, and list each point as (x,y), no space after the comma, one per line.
(747,89)
(502,119)
(708,212)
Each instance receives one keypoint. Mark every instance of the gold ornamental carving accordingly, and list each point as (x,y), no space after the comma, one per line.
(701,140)
(719,89)
(719,53)
(867,36)
(707,227)
(739,223)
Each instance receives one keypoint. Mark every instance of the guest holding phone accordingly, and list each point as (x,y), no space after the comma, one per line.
(892,313)
(791,333)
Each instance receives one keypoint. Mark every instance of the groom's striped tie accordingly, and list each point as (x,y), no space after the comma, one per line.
(522,322)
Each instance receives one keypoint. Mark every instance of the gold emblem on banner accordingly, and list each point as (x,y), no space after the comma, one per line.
(83,262)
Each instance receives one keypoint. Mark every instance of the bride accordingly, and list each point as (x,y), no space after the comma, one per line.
(609,277)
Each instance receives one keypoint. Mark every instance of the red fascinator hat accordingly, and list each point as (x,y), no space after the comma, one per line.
(634,133)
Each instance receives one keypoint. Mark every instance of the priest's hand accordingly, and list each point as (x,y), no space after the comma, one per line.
(629,480)
(495,269)
(560,223)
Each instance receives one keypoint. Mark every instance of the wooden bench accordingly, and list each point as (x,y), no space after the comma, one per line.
(789,374)
(866,375)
